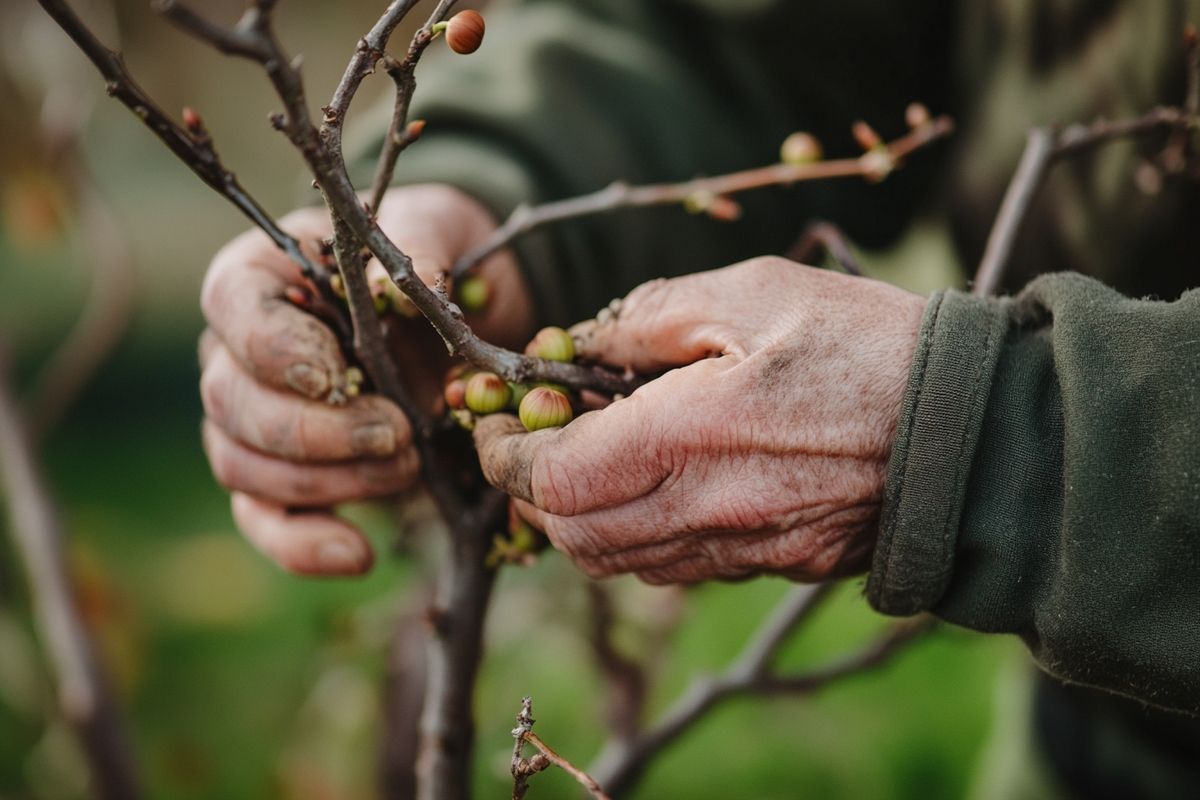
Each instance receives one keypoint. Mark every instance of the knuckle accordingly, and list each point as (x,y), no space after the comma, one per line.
(213,388)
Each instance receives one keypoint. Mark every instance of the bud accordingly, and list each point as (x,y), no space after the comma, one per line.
(916,115)
(474,294)
(192,121)
(455,393)
(876,164)
(337,286)
(414,130)
(800,148)
(464,32)
(545,408)
(698,202)
(866,136)
(464,419)
(724,209)
(487,393)
(552,344)
(519,390)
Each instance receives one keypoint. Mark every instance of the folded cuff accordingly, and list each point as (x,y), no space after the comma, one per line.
(936,436)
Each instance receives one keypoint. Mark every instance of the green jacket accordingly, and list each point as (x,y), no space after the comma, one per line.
(1046,478)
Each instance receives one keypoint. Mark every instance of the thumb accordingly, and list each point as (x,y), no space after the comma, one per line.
(659,325)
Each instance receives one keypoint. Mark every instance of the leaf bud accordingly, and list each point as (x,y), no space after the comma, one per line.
(487,393)
(473,294)
(545,408)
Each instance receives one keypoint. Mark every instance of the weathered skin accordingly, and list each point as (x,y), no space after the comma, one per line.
(764,452)
(287,455)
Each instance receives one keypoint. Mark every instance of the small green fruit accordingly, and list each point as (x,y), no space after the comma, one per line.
(487,393)
(474,293)
(464,419)
(552,344)
(544,408)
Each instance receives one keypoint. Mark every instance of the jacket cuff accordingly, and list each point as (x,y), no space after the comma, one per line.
(936,436)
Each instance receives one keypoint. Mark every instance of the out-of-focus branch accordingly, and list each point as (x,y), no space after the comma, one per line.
(874,164)
(523,768)
(823,235)
(102,322)
(196,150)
(1047,146)
(624,677)
(622,762)
(81,688)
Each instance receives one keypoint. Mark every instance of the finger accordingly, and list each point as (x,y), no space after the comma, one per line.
(278,344)
(294,428)
(306,543)
(602,458)
(664,323)
(239,468)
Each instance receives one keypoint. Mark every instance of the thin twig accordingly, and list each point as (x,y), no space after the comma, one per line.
(196,151)
(523,768)
(825,235)
(82,690)
(621,763)
(1046,146)
(400,134)
(874,164)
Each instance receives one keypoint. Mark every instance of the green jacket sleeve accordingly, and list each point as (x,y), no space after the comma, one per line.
(1046,482)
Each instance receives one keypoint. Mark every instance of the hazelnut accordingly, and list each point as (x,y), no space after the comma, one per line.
(464,32)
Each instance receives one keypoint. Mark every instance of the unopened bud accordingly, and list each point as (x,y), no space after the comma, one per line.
(800,148)
(916,115)
(455,394)
(487,393)
(723,209)
(192,121)
(545,408)
(552,344)
(866,136)
(473,294)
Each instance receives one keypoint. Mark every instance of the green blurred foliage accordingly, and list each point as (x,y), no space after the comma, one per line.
(240,681)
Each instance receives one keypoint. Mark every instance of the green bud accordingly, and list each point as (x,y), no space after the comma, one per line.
(474,294)
(487,393)
(545,408)
(552,344)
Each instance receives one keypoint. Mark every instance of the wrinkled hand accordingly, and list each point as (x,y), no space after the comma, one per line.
(765,452)
(268,369)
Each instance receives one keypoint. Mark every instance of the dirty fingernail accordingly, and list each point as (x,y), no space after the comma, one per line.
(338,558)
(374,439)
(308,380)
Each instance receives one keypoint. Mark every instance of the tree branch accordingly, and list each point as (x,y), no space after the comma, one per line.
(621,763)
(194,150)
(522,769)
(82,691)
(1046,146)
(875,164)
(624,677)
(829,237)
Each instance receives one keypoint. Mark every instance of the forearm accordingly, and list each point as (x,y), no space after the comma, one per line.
(1046,482)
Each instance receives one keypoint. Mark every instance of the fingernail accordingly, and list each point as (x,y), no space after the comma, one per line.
(338,558)
(374,439)
(308,380)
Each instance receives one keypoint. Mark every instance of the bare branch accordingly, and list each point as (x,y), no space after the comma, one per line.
(196,151)
(400,134)
(622,762)
(522,768)
(1046,146)
(874,164)
(82,691)
(825,235)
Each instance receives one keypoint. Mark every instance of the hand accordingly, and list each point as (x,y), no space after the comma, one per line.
(268,369)
(765,452)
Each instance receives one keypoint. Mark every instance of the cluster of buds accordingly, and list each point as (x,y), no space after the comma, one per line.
(519,545)
(472,393)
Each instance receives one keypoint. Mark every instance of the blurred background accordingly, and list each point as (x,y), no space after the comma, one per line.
(237,680)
